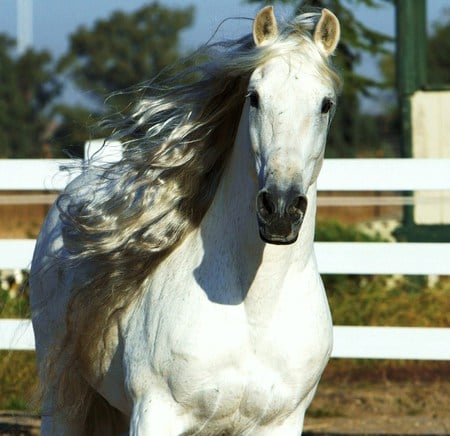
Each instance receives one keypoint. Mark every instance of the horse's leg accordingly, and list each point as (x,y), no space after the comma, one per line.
(293,425)
(155,417)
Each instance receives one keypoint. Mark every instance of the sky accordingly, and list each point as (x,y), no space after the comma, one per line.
(55,20)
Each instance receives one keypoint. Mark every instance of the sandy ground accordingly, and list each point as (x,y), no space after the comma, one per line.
(397,408)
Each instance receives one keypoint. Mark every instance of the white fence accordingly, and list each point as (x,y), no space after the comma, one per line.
(333,258)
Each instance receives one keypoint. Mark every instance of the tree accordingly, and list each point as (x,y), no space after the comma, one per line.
(347,129)
(76,124)
(116,54)
(27,88)
(438,62)
(125,49)
(438,49)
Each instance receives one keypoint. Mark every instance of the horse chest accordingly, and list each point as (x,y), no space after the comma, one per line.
(242,388)
(250,377)
(256,355)
(221,362)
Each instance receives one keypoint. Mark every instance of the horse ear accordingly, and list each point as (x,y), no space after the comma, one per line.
(327,32)
(265,26)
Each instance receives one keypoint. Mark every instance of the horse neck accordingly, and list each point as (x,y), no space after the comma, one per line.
(231,224)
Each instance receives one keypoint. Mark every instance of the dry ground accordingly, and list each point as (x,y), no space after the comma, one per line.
(382,397)
(400,408)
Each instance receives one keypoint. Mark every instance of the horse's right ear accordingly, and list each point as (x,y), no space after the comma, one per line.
(327,32)
(265,26)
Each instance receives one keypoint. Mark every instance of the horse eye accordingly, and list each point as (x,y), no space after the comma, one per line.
(254,99)
(327,104)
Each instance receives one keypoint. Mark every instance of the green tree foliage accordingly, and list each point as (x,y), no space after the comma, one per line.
(76,125)
(125,49)
(116,54)
(438,52)
(438,61)
(349,132)
(27,88)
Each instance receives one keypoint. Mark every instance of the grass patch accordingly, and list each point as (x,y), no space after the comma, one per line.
(386,301)
(18,380)
(18,374)
(17,307)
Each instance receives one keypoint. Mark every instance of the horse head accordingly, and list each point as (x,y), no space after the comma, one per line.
(290,104)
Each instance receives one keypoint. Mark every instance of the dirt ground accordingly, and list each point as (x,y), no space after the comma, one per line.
(351,408)
(397,408)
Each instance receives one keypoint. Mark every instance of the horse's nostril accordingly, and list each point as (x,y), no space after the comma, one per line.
(266,205)
(302,203)
(297,208)
(279,206)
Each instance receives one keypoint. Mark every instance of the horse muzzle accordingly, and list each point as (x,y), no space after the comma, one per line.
(280,215)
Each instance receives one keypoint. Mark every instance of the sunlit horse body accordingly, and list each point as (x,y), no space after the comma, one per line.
(176,292)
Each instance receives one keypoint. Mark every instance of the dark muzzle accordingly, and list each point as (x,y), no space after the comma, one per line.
(280,215)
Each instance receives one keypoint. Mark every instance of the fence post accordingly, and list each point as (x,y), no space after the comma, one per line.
(411,71)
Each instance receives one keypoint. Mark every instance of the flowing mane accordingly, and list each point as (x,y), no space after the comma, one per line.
(177,141)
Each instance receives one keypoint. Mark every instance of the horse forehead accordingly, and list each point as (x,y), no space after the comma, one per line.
(291,74)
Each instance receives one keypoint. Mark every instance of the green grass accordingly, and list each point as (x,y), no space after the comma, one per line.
(18,307)
(18,380)
(384,301)
(18,375)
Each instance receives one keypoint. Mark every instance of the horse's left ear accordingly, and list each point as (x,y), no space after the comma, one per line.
(265,26)
(327,32)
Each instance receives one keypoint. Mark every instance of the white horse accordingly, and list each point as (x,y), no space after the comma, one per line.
(176,292)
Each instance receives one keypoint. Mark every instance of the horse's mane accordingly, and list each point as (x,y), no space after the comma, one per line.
(177,140)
